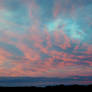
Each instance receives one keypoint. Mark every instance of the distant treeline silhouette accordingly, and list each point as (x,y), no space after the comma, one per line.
(55,87)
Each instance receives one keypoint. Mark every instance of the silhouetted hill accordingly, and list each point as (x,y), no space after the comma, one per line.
(57,87)
(41,82)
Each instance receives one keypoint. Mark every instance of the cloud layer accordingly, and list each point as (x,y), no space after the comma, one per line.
(48,38)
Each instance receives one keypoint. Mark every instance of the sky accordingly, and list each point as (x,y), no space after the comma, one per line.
(46,38)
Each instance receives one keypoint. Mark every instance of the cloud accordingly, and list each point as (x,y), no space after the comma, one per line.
(38,40)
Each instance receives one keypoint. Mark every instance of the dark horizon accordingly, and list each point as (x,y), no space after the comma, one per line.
(42,81)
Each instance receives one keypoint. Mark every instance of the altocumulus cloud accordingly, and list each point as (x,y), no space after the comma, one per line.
(42,38)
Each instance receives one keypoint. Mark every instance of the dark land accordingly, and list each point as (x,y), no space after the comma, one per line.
(43,83)
(57,87)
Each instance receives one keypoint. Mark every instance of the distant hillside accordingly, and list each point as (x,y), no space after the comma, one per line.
(40,81)
(59,87)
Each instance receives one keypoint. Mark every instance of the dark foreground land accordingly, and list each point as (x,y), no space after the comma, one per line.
(58,87)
